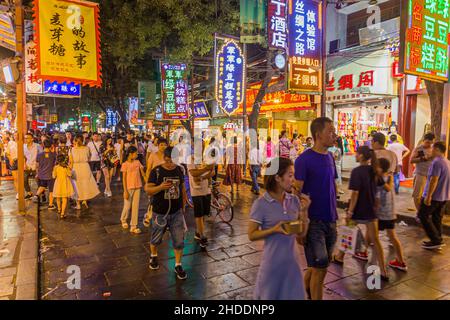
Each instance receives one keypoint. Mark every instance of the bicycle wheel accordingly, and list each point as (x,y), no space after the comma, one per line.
(224,208)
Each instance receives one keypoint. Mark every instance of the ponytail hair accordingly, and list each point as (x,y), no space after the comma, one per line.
(369,155)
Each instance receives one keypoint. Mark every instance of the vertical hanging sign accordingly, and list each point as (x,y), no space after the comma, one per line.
(277,24)
(230,69)
(174,91)
(33,84)
(425,39)
(68,41)
(305,46)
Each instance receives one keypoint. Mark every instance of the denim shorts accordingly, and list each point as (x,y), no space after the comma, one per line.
(319,244)
(175,224)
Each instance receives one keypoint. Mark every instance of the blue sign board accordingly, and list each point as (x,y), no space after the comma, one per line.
(200,110)
(111,118)
(305,45)
(62,89)
(230,68)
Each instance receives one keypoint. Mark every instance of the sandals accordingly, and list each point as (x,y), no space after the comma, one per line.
(336,261)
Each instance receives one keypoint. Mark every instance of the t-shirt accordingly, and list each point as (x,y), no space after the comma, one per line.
(386,210)
(132,169)
(94,153)
(172,196)
(198,188)
(398,149)
(46,162)
(422,167)
(318,172)
(440,167)
(390,156)
(362,179)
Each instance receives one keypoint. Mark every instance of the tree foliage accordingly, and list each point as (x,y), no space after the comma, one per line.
(135,32)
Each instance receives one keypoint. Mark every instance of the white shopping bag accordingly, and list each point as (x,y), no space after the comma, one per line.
(347,239)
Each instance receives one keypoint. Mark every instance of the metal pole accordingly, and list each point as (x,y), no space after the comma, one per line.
(21,100)
(244,109)
(323,99)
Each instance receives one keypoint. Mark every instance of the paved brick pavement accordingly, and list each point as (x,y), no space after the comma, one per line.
(18,248)
(113,262)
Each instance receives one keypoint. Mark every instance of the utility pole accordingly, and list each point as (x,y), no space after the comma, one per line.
(21,101)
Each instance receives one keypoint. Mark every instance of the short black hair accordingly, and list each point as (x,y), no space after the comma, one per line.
(380,138)
(318,125)
(168,152)
(384,164)
(429,136)
(162,140)
(440,145)
(47,143)
(393,137)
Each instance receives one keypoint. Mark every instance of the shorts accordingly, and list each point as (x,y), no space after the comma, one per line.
(46,184)
(419,186)
(95,166)
(319,244)
(386,225)
(175,224)
(202,205)
(11,166)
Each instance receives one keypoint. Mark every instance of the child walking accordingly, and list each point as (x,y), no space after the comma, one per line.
(362,208)
(385,212)
(46,163)
(63,188)
(132,170)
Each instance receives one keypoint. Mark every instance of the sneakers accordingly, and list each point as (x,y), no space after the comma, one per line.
(108,194)
(361,256)
(202,240)
(153,265)
(135,230)
(125,225)
(51,207)
(398,265)
(429,245)
(181,274)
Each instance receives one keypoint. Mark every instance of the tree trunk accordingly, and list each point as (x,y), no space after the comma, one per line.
(253,117)
(187,125)
(436,96)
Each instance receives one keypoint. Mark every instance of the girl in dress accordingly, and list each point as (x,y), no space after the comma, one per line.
(63,188)
(280,273)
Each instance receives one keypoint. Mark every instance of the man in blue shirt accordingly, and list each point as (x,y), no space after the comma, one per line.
(315,172)
(435,196)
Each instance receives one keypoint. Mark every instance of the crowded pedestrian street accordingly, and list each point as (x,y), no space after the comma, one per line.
(114,264)
(226,157)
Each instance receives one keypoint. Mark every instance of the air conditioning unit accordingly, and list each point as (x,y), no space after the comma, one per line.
(334,46)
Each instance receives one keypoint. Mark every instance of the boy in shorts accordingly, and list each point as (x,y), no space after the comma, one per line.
(45,163)
(386,212)
(166,185)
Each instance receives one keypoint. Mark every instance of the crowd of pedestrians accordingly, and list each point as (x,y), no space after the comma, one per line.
(297,211)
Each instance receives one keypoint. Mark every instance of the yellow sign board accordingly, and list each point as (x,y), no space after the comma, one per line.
(68,41)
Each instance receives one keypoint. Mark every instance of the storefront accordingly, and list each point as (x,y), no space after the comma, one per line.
(362,96)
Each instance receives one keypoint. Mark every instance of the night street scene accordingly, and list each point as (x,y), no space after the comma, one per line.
(225,150)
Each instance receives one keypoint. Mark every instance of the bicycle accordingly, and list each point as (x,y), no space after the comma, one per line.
(221,204)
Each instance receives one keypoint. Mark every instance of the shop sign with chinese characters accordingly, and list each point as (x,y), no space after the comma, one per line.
(277,24)
(61,89)
(426,39)
(111,118)
(200,110)
(305,46)
(174,91)
(33,84)
(230,70)
(68,41)
(355,80)
(133,112)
